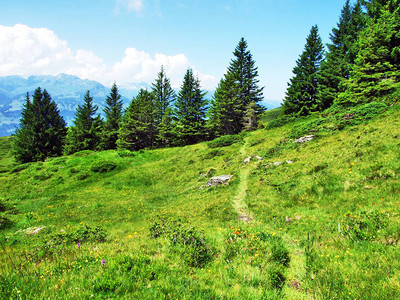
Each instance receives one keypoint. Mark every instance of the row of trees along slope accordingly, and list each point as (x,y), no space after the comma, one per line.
(361,63)
(155,118)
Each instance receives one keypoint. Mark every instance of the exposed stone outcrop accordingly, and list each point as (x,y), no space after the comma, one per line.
(248,159)
(304,139)
(217,180)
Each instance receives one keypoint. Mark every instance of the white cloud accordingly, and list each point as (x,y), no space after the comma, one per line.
(38,51)
(130,5)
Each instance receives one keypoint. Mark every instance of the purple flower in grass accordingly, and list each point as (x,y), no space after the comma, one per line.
(78,245)
(103,262)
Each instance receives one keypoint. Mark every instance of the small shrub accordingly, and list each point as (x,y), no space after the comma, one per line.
(305,128)
(83,153)
(190,244)
(213,153)
(84,233)
(43,176)
(103,166)
(126,153)
(277,277)
(82,176)
(279,253)
(280,121)
(20,168)
(73,171)
(226,140)
(364,226)
(4,220)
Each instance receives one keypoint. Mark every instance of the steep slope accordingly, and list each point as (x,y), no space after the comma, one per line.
(325,219)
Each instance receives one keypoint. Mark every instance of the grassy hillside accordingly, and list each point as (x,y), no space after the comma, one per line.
(321,224)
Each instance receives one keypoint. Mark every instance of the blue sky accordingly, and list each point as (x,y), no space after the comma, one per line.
(128,40)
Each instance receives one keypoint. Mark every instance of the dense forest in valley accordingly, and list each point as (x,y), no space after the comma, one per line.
(130,206)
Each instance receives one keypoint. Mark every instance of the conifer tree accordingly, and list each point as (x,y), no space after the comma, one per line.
(302,89)
(113,117)
(376,72)
(245,74)
(226,110)
(235,93)
(86,132)
(190,111)
(340,56)
(42,130)
(137,129)
(164,97)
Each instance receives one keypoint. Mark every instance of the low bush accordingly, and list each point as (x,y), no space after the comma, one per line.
(190,244)
(126,153)
(225,141)
(365,225)
(103,166)
(20,168)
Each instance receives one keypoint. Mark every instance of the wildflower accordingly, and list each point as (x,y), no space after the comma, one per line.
(78,245)
(103,262)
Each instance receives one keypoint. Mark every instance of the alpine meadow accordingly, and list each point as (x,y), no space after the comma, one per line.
(178,196)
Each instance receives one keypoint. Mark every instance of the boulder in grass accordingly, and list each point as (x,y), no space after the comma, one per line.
(218,180)
(304,139)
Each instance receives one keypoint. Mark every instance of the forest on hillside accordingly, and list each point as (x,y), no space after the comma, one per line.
(361,64)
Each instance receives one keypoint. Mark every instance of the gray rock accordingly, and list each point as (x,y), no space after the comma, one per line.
(304,139)
(34,230)
(218,180)
(248,159)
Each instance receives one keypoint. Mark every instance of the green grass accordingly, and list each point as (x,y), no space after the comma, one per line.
(347,177)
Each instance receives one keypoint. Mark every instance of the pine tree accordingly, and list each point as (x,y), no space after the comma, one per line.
(86,132)
(164,97)
(235,92)
(376,73)
(137,129)
(245,74)
(190,111)
(113,115)
(302,91)
(341,54)
(42,130)
(226,110)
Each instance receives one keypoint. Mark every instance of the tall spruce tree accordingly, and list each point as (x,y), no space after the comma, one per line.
(113,117)
(376,72)
(341,54)
(226,110)
(138,129)
(190,111)
(237,91)
(245,74)
(164,97)
(42,130)
(301,95)
(86,132)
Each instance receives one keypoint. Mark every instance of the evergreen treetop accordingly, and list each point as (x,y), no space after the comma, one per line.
(301,95)
(190,110)
(113,116)
(164,95)
(42,129)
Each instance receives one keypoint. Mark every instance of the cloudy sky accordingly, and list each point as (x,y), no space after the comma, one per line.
(129,40)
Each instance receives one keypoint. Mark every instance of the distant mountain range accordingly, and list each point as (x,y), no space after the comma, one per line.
(66,90)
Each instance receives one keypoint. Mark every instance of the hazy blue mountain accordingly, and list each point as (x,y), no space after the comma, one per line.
(66,90)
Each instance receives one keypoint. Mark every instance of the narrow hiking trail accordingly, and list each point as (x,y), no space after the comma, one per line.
(239,203)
